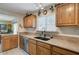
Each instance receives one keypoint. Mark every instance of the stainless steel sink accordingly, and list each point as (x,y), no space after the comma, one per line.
(42,38)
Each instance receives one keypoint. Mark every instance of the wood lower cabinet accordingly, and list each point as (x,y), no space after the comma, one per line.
(45,45)
(43,48)
(14,41)
(61,51)
(9,42)
(6,43)
(43,51)
(32,47)
(40,48)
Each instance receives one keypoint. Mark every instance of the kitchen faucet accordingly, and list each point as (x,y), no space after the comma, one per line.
(43,32)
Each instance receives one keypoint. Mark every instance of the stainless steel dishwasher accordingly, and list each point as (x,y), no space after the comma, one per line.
(25,41)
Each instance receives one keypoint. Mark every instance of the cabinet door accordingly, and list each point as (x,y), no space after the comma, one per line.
(29,22)
(14,41)
(43,51)
(69,14)
(59,17)
(21,44)
(6,43)
(24,22)
(60,51)
(32,48)
(65,14)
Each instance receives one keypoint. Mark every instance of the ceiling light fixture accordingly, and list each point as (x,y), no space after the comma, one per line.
(40,5)
(42,8)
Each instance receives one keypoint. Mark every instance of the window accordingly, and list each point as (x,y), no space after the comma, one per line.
(46,23)
(15,28)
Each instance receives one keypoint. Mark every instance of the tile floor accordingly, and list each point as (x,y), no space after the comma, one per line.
(16,51)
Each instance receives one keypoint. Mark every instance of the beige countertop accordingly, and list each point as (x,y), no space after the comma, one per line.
(70,43)
(8,34)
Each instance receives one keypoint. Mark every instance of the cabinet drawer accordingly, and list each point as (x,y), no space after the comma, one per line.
(44,45)
(32,41)
(62,51)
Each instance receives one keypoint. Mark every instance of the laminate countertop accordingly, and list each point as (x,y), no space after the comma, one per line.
(7,34)
(70,43)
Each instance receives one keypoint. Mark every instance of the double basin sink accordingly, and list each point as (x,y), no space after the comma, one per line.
(42,38)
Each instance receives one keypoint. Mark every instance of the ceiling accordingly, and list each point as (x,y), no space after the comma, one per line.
(6,17)
(22,8)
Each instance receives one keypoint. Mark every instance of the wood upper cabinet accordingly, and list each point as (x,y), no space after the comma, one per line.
(67,14)
(9,42)
(29,21)
(32,47)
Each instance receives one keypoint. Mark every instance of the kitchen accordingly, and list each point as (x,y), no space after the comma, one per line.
(40,28)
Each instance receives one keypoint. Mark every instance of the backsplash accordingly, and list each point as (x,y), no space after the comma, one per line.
(68,30)
(60,30)
(48,34)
